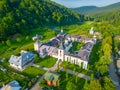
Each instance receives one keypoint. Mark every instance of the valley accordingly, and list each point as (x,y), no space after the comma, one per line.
(47,46)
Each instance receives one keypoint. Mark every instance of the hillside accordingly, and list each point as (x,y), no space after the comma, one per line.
(84,9)
(92,10)
(19,16)
(111,17)
(110,13)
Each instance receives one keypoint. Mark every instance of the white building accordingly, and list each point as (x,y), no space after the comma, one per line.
(81,61)
(13,85)
(62,53)
(37,45)
(22,61)
(91,31)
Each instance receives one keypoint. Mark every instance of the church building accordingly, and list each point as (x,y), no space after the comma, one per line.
(59,46)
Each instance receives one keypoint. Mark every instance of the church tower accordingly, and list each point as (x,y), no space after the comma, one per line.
(37,44)
(91,31)
(61,52)
(62,31)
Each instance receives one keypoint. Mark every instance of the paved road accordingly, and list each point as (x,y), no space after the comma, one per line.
(114,76)
(76,73)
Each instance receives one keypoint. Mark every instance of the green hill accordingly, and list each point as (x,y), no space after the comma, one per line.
(17,16)
(110,13)
(106,9)
(84,9)
(110,17)
(92,10)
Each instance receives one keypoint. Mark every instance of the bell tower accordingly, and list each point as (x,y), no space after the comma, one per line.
(37,45)
(61,52)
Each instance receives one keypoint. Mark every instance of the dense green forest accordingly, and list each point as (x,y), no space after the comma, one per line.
(111,17)
(109,14)
(19,16)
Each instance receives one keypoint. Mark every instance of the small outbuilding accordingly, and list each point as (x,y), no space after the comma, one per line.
(52,79)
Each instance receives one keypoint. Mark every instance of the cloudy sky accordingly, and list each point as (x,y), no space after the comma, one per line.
(78,3)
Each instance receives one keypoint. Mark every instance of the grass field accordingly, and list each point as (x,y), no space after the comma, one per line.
(78,29)
(76,46)
(33,72)
(46,62)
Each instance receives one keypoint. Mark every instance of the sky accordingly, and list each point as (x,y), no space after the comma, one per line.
(79,3)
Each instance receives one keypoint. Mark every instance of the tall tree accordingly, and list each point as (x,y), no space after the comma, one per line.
(86,85)
(108,84)
(70,86)
(94,85)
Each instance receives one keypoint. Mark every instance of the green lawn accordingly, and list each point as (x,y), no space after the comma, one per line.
(32,71)
(75,68)
(46,62)
(78,29)
(6,77)
(63,82)
(76,46)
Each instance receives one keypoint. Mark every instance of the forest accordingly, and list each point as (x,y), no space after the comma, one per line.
(110,13)
(20,16)
(111,17)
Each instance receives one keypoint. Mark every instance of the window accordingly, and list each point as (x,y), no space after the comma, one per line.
(60,53)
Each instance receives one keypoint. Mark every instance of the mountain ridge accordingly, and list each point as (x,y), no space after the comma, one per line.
(84,9)
(108,8)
